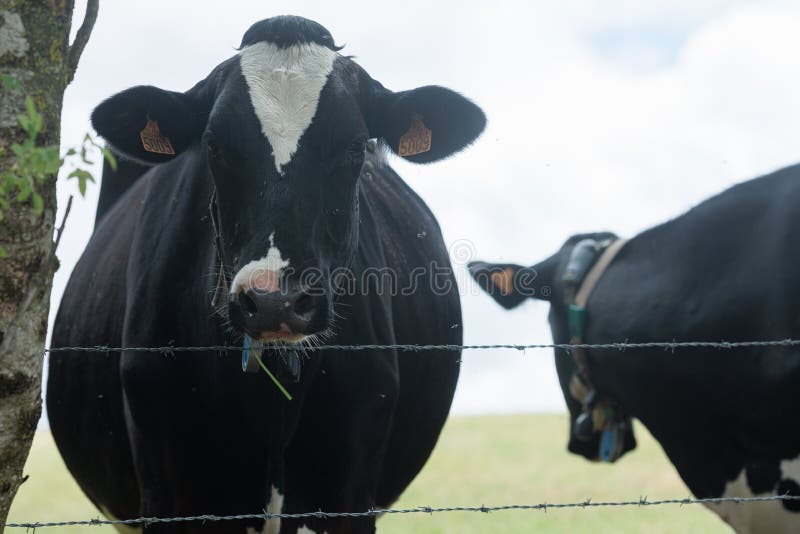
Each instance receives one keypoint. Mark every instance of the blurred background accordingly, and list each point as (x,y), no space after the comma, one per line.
(613,115)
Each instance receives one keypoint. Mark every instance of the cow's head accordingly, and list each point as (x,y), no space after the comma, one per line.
(281,128)
(510,285)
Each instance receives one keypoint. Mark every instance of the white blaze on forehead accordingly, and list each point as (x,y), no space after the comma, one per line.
(263,274)
(285,85)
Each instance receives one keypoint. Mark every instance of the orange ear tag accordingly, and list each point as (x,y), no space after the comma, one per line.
(504,281)
(154,141)
(416,140)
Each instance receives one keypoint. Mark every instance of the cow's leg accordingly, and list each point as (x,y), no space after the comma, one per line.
(195,450)
(334,462)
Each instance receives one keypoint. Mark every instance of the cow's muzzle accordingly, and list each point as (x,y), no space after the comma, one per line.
(276,316)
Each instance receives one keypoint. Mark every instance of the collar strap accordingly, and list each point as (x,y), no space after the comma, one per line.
(596,273)
(577,314)
(599,413)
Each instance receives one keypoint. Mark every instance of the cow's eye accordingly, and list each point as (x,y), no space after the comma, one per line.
(355,152)
(212,147)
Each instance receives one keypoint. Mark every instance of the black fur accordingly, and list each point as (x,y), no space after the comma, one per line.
(288,30)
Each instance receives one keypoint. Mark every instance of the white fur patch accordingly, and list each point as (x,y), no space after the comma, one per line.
(263,274)
(285,86)
(305,530)
(769,516)
(274,506)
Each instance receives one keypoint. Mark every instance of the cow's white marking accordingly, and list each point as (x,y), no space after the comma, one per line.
(122,529)
(274,506)
(791,469)
(305,530)
(264,274)
(769,516)
(285,86)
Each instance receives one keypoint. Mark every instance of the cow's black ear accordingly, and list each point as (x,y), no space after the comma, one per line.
(151,125)
(510,284)
(424,124)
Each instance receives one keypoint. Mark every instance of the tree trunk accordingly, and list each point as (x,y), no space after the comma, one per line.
(34,50)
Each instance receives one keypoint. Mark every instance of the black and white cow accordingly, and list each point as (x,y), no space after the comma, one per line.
(271,152)
(729,269)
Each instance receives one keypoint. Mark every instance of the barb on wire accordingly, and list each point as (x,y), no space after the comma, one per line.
(588,503)
(620,346)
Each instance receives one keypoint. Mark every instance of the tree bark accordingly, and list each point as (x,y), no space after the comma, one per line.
(34,49)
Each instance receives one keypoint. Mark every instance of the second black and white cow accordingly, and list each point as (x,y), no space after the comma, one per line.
(729,269)
(264,185)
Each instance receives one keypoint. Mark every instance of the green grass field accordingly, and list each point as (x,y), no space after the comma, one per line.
(484,460)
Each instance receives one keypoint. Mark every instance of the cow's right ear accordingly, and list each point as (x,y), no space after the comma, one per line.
(425,124)
(151,125)
(510,284)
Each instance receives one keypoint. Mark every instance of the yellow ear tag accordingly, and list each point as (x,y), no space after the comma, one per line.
(416,140)
(504,281)
(154,141)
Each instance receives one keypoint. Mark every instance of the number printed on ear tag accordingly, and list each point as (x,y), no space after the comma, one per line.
(154,141)
(416,140)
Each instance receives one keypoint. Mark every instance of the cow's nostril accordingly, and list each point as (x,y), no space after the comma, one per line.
(304,304)
(248,304)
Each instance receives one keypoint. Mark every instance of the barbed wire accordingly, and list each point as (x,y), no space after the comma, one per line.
(588,503)
(621,346)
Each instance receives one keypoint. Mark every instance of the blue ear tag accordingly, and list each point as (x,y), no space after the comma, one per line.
(250,348)
(608,444)
(292,362)
(246,353)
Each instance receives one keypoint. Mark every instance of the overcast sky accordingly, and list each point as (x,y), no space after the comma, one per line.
(612,115)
